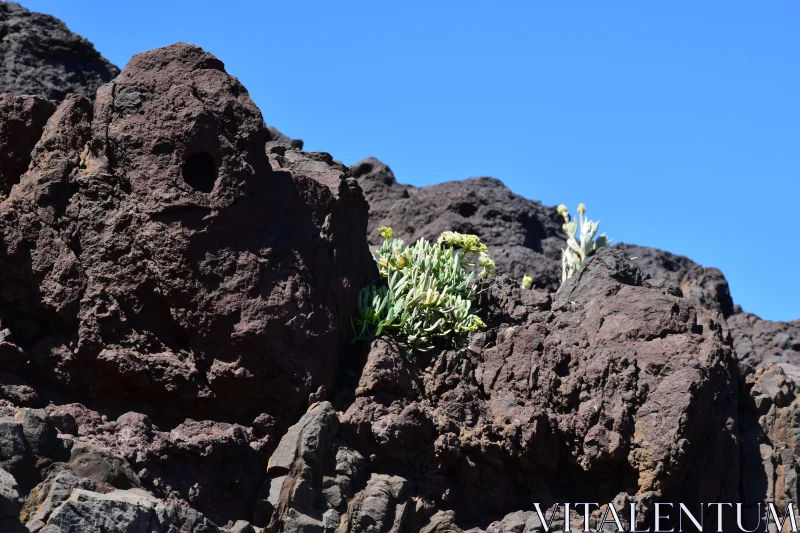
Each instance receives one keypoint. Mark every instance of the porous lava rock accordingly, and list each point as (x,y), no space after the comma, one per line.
(176,285)
(152,252)
(615,389)
(40,56)
(523,236)
(22,120)
(707,287)
(760,342)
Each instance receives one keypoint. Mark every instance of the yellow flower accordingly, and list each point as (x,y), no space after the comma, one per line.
(386,232)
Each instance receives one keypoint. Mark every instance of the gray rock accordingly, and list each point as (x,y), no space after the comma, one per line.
(39,431)
(242,526)
(119,512)
(10,499)
(14,453)
(443,522)
(49,494)
(381,507)
(101,466)
(297,471)
(123,511)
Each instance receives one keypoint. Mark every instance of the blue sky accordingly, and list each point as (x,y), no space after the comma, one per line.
(677,123)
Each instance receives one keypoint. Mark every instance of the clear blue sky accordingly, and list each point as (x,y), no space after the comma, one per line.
(677,123)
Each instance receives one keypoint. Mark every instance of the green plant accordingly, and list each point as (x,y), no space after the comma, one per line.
(573,256)
(527,282)
(428,290)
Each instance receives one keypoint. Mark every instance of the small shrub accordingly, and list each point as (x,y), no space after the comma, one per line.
(428,290)
(527,282)
(573,256)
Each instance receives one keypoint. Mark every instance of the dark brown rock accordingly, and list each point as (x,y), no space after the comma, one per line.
(761,342)
(170,261)
(706,287)
(276,136)
(40,56)
(16,390)
(22,121)
(215,467)
(617,388)
(523,236)
(770,438)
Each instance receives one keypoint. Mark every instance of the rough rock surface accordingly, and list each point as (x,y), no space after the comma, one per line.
(523,236)
(707,287)
(170,261)
(615,389)
(22,120)
(770,436)
(276,136)
(176,282)
(581,389)
(761,342)
(40,56)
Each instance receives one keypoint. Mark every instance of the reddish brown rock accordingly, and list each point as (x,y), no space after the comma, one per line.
(152,252)
(760,342)
(706,287)
(616,387)
(523,236)
(22,121)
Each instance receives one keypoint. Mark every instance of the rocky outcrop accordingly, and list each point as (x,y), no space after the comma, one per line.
(523,236)
(22,120)
(276,136)
(761,342)
(155,256)
(176,287)
(169,260)
(706,287)
(618,388)
(770,437)
(41,57)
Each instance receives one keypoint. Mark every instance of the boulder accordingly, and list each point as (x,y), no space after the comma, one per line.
(760,342)
(614,387)
(706,287)
(10,499)
(42,57)
(22,121)
(154,251)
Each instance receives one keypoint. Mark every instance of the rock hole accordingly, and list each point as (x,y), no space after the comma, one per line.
(200,172)
(467,209)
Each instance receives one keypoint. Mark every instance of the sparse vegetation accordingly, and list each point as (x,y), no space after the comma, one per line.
(527,282)
(576,252)
(426,297)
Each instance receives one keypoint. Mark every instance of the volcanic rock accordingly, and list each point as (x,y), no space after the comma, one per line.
(41,57)
(761,342)
(770,437)
(523,236)
(706,287)
(276,136)
(169,260)
(22,120)
(615,387)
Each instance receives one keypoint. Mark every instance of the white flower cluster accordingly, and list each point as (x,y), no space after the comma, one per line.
(576,252)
